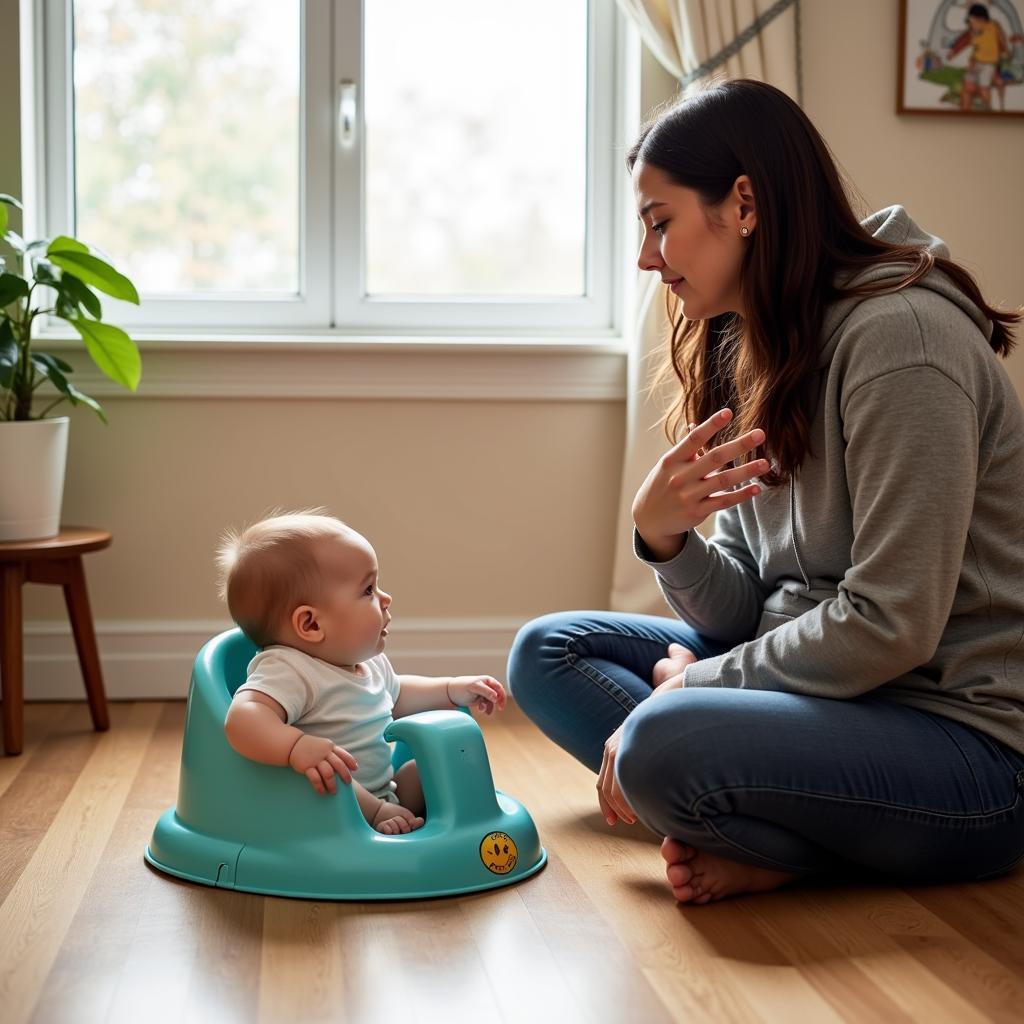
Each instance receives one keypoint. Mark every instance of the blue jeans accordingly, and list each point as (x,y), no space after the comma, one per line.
(774,779)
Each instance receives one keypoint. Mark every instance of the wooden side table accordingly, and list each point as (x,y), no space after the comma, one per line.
(50,560)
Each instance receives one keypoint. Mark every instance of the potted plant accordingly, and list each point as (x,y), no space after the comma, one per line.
(55,276)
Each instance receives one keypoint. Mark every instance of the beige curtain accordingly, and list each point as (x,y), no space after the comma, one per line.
(695,40)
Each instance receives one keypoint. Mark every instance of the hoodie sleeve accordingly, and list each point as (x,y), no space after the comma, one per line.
(911,463)
(715,584)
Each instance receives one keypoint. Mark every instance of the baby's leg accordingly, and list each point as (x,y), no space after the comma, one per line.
(385,817)
(410,790)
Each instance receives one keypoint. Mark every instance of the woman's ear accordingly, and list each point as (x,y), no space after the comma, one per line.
(743,203)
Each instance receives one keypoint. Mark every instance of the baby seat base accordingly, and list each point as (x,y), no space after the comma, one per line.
(259,828)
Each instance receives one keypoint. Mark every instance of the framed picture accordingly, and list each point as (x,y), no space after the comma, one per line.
(961,58)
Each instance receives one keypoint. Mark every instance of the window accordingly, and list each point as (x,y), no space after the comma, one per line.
(387,166)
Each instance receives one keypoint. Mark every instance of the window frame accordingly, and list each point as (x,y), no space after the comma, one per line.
(310,307)
(332,298)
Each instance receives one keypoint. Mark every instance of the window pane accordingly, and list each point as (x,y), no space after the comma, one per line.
(476,147)
(187,141)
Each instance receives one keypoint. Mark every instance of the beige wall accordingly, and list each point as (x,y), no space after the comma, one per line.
(505,508)
(475,509)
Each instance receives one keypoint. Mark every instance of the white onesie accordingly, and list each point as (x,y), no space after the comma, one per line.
(325,700)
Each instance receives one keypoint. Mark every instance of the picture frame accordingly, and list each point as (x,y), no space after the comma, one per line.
(961,59)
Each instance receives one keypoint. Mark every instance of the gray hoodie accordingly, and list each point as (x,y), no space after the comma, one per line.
(894,562)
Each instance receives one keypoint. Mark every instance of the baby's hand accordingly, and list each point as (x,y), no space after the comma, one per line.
(318,758)
(484,693)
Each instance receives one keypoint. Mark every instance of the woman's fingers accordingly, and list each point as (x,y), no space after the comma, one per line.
(606,808)
(618,802)
(609,796)
(717,502)
(730,477)
(728,452)
(698,437)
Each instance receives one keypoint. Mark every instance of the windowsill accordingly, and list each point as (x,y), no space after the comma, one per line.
(326,364)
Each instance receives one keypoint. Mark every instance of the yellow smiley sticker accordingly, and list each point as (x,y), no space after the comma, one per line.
(499,853)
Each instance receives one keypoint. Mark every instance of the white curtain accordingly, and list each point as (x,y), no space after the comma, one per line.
(695,40)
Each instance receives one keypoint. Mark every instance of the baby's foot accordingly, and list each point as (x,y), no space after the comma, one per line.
(699,877)
(393,819)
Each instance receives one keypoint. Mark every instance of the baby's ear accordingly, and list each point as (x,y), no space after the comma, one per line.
(305,621)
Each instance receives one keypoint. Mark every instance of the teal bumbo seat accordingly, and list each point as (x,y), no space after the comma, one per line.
(239,824)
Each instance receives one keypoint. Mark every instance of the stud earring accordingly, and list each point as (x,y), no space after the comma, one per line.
(744,232)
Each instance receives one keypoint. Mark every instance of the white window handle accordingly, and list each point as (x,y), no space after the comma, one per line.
(347,113)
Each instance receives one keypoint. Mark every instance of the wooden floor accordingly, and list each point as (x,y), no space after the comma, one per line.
(88,932)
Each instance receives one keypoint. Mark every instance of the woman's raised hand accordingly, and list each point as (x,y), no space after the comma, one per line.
(688,483)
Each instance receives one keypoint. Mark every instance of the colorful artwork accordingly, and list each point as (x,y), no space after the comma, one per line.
(961,58)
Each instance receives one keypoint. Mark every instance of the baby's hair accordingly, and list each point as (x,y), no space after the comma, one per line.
(268,569)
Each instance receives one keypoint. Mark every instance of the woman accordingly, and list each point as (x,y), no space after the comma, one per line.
(845,682)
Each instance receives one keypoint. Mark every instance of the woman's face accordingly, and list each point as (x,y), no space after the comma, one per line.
(698,252)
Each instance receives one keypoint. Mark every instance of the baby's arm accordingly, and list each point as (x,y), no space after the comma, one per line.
(255,727)
(431,693)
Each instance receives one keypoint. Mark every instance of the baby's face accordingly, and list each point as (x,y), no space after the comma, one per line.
(352,614)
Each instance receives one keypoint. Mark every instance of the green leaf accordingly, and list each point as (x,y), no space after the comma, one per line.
(11,287)
(112,351)
(15,241)
(94,271)
(44,273)
(8,346)
(82,294)
(62,243)
(47,368)
(3,218)
(54,361)
(79,398)
(10,200)
(8,354)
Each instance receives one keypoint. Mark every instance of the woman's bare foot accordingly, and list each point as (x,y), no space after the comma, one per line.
(393,819)
(699,877)
(678,658)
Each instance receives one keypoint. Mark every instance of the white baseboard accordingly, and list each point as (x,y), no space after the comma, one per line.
(152,660)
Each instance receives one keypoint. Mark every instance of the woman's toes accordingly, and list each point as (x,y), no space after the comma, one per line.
(676,852)
(678,874)
(706,897)
(683,893)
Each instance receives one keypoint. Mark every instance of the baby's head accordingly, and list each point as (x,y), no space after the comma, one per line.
(305,580)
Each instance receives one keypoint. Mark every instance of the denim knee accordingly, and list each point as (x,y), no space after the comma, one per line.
(530,648)
(639,764)
(667,758)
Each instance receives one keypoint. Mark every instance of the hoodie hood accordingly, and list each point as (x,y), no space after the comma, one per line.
(896,226)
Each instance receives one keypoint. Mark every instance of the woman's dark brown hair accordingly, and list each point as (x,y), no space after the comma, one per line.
(763,365)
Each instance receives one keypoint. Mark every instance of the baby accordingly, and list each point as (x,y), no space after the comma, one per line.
(303,586)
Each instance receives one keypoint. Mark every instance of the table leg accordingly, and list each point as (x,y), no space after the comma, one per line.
(77,599)
(12,574)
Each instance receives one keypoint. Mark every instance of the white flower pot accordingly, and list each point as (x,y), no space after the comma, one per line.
(33,454)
